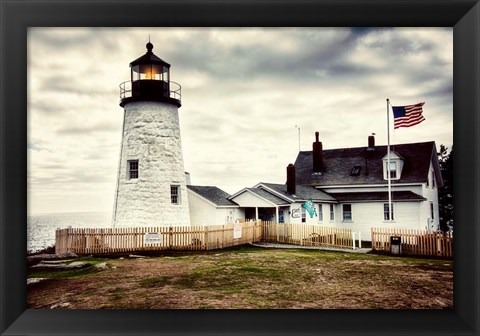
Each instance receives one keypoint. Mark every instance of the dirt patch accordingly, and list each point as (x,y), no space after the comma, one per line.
(253,278)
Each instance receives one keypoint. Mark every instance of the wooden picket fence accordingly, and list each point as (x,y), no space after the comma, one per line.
(307,235)
(414,242)
(113,240)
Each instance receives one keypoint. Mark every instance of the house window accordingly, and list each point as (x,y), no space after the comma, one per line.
(332,212)
(432,211)
(132,169)
(304,215)
(393,170)
(347,212)
(386,212)
(320,212)
(175,194)
(281,217)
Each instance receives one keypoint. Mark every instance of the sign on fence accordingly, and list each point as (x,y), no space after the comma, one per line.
(152,238)
(237,231)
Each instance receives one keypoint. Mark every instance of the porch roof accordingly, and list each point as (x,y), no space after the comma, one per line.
(303,192)
(268,196)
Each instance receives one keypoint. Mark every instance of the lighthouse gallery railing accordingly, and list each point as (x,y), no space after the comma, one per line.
(126,90)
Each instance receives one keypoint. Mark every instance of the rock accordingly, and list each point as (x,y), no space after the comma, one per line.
(61,305)
(55,261)
(32,281)
(102,266)
(72,265)
(136,256)
(35,259)
(76,264)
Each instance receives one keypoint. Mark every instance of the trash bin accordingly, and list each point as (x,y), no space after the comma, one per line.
(395,245)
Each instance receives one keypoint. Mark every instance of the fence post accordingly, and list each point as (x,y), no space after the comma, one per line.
(353,239)
(276,230)
(372,238)
(359,239)
(205,229)
(170,238)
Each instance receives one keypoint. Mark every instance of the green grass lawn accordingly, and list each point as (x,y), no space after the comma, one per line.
(250,277)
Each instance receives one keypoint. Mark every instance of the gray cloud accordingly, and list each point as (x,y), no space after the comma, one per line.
(36,148)
(73,37)
(244,90)
(86,129)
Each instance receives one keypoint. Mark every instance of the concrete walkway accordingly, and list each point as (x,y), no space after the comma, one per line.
(322,248)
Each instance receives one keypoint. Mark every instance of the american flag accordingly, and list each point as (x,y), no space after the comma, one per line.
(409,115)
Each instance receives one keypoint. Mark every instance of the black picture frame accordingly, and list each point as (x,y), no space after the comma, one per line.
(17,16)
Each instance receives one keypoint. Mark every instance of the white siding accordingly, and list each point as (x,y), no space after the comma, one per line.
(431,194)
(296,214)
(203,212)
(366,215)
(248,199)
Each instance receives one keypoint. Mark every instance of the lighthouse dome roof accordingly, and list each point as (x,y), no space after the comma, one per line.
(149,58)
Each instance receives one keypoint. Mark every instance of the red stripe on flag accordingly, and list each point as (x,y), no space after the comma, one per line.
(413,116)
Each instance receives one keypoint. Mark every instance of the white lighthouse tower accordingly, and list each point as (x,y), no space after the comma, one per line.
(151,183)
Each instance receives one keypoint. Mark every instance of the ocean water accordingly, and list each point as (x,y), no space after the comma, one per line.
(41,227)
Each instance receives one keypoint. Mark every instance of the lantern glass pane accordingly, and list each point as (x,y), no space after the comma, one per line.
(135,73)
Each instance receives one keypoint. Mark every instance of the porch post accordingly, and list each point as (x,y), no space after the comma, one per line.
(256,213)
(277,223)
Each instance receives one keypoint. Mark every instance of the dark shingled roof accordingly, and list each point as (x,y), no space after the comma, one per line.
(213,194)
(338,164)
(303,192)
(377,196)
(268,196)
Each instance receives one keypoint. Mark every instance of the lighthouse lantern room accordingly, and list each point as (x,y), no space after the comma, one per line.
(151,182)
(150,79)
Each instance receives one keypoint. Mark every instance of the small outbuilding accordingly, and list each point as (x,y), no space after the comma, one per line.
(211,205)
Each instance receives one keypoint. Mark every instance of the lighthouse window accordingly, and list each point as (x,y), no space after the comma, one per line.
(175,194)
(133,169)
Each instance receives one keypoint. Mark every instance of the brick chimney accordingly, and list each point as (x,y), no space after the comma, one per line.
(371,143)
(317,155)
(291,189)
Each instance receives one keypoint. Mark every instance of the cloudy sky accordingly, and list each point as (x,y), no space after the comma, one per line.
(244,91)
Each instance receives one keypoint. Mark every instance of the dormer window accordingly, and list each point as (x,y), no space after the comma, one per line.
(394,170)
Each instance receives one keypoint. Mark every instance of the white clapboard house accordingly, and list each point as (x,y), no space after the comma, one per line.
(346,187)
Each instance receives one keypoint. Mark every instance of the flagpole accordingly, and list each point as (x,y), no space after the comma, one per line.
(388,166)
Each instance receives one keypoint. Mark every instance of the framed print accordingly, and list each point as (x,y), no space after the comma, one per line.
(114,21)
